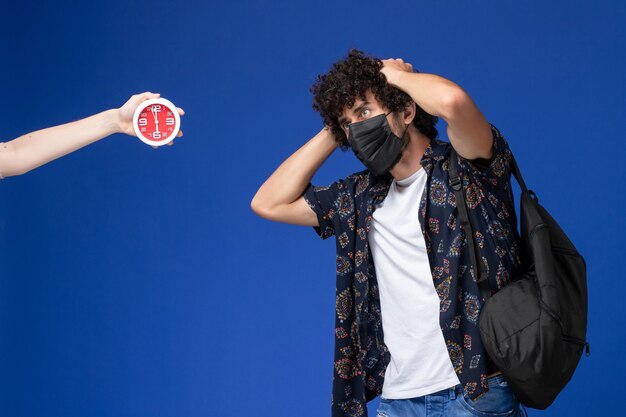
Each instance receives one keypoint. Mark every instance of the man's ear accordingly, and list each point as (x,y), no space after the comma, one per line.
(409,113)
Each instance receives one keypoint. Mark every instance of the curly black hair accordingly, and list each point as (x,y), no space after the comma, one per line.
(351,78)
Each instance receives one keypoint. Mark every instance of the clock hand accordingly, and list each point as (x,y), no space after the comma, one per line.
(156,119)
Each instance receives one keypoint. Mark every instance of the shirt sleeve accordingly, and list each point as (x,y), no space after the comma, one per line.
(323,200)
(496,171)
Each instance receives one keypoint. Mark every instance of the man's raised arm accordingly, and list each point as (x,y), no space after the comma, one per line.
(280,197)
(469,132)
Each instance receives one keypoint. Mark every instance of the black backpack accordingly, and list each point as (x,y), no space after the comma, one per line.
(534,329)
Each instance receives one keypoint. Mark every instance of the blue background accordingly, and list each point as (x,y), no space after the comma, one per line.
(138,282)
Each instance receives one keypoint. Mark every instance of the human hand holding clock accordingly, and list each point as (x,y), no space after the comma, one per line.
(154,120)
(37,148)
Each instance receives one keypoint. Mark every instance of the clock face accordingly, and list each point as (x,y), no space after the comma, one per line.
(156,121)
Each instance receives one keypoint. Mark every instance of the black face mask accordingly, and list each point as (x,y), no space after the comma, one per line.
(375,144)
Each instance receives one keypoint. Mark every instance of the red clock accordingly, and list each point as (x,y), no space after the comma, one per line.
(156,121)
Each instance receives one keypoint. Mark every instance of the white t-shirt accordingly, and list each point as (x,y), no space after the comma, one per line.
(420,364)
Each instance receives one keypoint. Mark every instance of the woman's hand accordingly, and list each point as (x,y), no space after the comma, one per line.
(126,112)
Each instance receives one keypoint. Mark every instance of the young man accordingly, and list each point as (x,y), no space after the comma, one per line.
(403,264)
(35,149)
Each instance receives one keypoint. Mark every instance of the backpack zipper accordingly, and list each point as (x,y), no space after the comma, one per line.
(578,342)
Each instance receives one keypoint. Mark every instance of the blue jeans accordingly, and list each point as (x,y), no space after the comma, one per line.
(499,401)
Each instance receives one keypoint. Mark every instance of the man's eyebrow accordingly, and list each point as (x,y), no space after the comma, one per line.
(355,111)
(358,109)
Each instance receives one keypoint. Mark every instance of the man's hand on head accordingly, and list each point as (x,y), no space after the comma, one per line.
(394,68)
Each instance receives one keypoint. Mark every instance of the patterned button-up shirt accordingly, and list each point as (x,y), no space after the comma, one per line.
(344,209)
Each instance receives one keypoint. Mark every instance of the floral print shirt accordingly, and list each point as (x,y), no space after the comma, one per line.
(344,210)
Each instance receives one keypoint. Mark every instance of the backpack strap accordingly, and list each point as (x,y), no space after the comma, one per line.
(457,186)
(518,177)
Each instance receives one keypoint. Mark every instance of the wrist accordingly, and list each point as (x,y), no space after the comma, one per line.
(328,136)
(396,78)
(113,121)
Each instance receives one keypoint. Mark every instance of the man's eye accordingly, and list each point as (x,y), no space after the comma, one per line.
(365,113)
(346,125)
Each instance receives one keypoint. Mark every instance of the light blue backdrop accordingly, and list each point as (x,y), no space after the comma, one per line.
(137,282)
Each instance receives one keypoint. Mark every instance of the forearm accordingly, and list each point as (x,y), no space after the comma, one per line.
(468,129)
(42,146)
(290,179)
(434,94)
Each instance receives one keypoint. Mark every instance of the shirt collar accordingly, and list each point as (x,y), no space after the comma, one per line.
(435,151)
(380,185)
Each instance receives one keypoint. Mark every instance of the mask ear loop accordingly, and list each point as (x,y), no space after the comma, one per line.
(405,129)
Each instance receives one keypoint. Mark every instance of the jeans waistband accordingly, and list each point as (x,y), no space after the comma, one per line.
(458,389)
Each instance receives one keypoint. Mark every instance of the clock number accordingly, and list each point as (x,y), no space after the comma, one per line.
(156,135)
(142,122)
(169,121)
(156,108)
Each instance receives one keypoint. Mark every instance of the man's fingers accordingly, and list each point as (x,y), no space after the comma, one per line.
(398,63)
(180,111)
